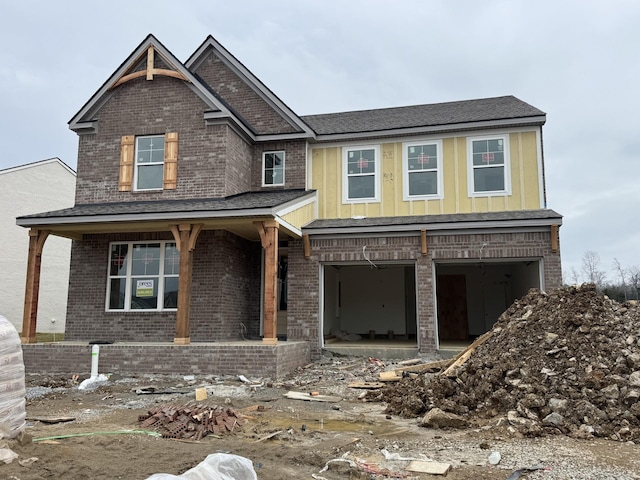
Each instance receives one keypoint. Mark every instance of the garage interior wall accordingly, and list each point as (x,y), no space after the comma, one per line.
(491,288)
(359,299)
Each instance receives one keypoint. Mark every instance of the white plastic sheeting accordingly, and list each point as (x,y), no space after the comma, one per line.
(217,466)
(12,389)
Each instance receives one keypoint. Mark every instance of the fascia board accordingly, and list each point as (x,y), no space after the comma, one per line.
(143,217)
(533,121)
(292,205)
(452,227)
(250,79)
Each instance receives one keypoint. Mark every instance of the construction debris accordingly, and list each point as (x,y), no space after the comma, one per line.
(312,398)
(191,421)
(561,362)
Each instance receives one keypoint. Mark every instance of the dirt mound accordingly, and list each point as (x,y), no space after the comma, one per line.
(565,362)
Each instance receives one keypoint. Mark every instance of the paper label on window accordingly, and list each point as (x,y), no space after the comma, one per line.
(144,288)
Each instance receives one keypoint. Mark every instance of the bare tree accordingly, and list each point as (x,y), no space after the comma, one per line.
(591,269)
(622,275)
(634,280)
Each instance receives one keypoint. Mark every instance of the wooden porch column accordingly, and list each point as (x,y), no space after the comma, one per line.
(32,287)
(185,236)
(269,236)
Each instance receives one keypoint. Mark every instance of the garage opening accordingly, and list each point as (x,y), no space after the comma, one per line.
(471,296)
(369,305)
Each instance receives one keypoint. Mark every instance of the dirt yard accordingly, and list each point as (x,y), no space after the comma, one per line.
(554,388)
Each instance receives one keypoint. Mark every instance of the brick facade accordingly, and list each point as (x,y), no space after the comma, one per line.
(295,163)
(245,101)
(225,292)
(304,274)
(238,358)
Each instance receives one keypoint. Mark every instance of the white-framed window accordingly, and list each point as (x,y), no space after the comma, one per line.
(488,165)
(272,168)
(143,276)
(149,163)
(422,169)
(361,174)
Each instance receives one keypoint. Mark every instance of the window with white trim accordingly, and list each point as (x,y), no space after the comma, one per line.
(422,167)
(272,168)
(361,166)
(143,276)
(488,159)
(149,163)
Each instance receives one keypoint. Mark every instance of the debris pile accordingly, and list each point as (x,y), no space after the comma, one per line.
(564,362)
(191,421)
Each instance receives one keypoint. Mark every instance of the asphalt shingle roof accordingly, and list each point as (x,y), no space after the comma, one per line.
(542,214)
(244,201)
(431,115)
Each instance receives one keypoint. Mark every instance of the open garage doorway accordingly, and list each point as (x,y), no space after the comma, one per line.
(366,306)
(471,296)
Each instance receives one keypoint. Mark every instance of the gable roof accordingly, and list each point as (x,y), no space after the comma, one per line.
(37,164)
(466,114)
(237,67)
(83,120)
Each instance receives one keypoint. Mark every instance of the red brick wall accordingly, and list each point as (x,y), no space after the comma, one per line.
(212,160)
(304,301)
(244,100)
(226,277)
(239,358)
(294,163)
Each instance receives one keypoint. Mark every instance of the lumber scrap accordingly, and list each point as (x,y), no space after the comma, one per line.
(366,385)
(312,398)
(463,356)
(424,367)
(390,376)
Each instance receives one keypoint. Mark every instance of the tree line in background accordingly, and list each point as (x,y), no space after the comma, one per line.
(625,286)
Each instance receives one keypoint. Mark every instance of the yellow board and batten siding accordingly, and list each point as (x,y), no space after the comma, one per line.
(300,216)
(327,179)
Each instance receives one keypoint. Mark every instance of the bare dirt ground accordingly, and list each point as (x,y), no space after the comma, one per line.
(555,386)
(311,433)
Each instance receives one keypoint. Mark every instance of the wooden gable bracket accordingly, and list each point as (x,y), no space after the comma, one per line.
(423,241)
(555,238)
(150,71)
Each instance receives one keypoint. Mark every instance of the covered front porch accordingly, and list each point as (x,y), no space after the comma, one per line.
(215,279)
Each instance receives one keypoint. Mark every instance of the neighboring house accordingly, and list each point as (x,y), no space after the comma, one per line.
(24,190)
(206,210)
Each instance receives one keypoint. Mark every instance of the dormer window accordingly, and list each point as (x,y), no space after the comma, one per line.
(149,157)
(272,169)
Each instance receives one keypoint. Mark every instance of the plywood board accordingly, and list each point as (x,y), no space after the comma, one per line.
(432,468)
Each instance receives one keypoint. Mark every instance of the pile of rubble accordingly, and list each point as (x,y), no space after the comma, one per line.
(564,362)
(191,421)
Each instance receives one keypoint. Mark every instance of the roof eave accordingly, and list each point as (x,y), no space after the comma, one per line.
(434,227)
(465,126)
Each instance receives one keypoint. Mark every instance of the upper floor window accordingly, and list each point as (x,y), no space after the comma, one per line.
(149,162)
(272,168)
(361,166)
(422,168)
(143,276)
(488,160)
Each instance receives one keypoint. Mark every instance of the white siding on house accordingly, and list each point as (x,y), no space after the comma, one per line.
(24,190)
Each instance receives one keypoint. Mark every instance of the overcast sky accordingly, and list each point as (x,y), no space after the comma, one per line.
(577,60)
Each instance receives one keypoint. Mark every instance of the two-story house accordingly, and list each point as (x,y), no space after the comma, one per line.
(215,228)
